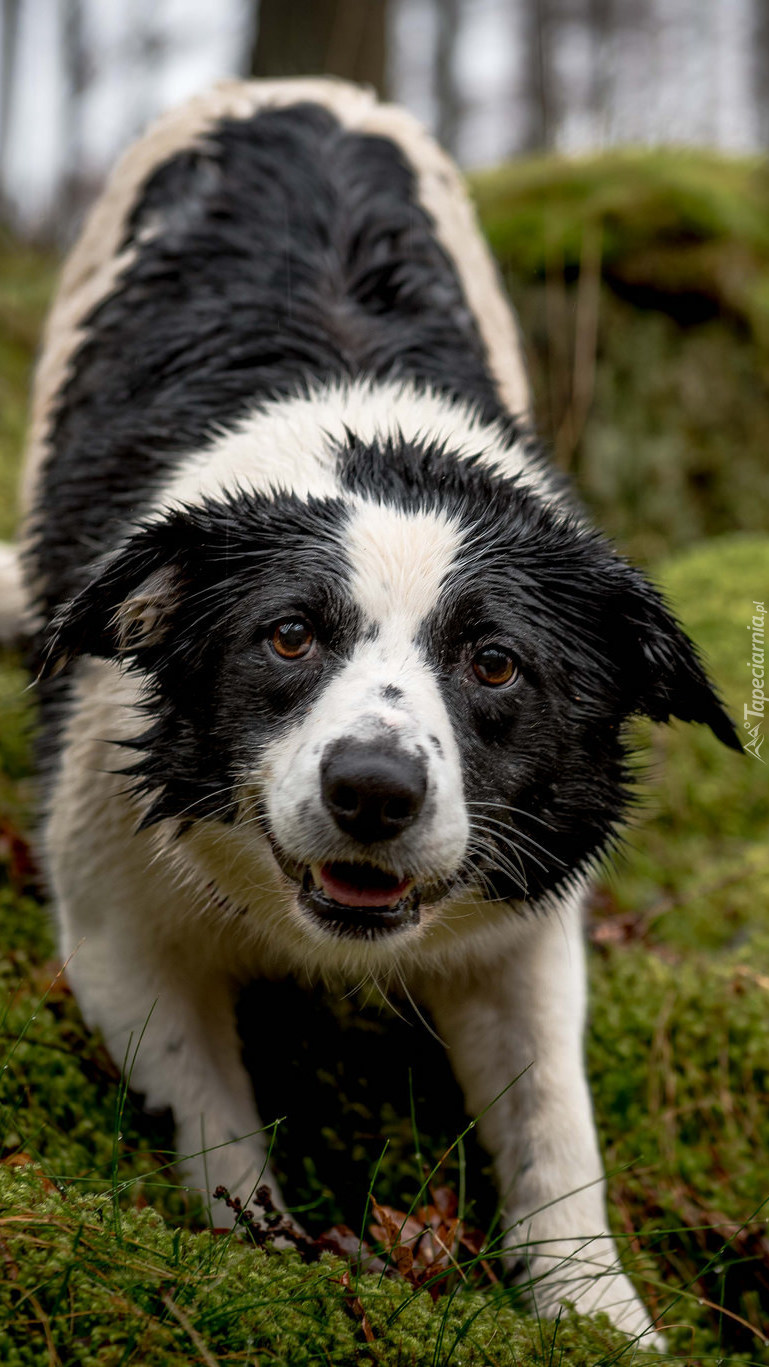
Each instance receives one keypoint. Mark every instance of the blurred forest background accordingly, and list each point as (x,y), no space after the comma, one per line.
(615,250)
(617,153)
(492,78)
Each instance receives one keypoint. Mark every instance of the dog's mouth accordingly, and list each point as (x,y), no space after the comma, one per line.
(357,899)
(358,885)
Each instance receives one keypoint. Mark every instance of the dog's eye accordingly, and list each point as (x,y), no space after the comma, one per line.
(293,639)
(495,666)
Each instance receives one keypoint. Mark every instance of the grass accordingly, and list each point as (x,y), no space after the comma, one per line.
(99,1293)
(103,1261)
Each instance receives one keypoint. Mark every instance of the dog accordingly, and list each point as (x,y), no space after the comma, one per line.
(334,672)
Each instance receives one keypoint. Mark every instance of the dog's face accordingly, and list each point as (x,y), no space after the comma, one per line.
(411,689)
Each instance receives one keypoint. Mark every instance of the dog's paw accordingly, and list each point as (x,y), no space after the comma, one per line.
(612,1294)
(585,1279)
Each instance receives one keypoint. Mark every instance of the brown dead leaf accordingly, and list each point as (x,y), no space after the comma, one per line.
(356,1308)
(345,1243)
(16,853)
(622,929)
(445,1202)
(422,1245)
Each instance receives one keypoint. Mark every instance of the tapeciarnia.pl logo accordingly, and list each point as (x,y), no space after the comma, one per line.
(754,711)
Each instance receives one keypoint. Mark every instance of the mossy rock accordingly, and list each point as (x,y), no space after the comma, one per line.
(696,862)
(670,222)
(642,285)
(671,445)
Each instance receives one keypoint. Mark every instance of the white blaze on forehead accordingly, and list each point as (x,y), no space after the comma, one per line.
(400,562)
(281,447)
(292,443)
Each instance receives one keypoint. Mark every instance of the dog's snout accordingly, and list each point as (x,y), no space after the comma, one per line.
(372,792)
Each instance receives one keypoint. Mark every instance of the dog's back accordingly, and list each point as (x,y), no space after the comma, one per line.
(263,238)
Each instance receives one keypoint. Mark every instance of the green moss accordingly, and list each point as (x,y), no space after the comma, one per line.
(60,1098)
(16,712)
(680,1077)
(661,215)
(103,1291)
(696,863)
(26,278)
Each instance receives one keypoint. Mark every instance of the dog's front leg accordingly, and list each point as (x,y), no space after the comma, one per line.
(165,1009)
(146,957)
(514,1031)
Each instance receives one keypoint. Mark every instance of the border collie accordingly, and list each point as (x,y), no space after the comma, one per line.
(334,672)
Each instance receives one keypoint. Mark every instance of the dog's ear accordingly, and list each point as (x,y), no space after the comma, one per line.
(662,674)
(126,607)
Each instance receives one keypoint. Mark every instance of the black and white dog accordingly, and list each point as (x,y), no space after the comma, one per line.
(335,672)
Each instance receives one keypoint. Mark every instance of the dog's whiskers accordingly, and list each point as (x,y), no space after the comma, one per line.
(506,833)
(508,807)
(485,844)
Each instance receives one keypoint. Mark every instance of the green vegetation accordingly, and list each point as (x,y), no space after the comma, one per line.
(642,283)
(104,1290)
(663,417)
(708,805)
(26,277)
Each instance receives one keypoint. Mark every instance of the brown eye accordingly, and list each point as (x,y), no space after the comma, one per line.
(495,666)
(293,639)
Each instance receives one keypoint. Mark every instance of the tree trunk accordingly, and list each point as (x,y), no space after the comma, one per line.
(761,68)
(538,115)
(11,10)
(311,37)
(75,61)
(446,88)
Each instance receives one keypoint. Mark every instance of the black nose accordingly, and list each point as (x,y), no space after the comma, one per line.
(372,792)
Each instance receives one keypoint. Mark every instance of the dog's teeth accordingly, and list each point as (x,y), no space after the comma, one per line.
(315,875)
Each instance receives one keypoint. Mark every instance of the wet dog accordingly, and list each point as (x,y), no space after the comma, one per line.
(335,673)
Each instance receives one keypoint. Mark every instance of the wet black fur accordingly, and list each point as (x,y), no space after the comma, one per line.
(289,250)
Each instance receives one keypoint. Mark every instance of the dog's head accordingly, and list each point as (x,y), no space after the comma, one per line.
(417,686)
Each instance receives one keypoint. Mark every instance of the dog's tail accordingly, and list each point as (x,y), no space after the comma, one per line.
(12,599)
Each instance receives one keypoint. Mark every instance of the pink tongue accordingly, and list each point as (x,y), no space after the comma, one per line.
(356,895)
